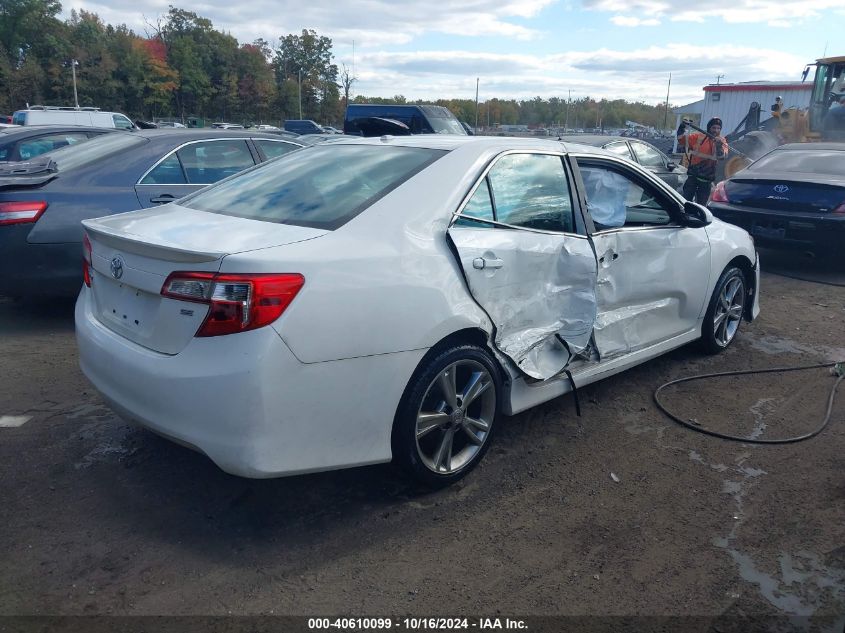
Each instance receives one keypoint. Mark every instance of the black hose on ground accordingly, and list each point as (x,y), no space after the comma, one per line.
(839,371)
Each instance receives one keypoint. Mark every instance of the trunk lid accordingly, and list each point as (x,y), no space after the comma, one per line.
(133,253)
(786,193)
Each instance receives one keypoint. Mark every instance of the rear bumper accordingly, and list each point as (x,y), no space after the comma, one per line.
(32,270)
(799,231)
(246,402)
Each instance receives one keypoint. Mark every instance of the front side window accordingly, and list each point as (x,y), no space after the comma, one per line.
(121,122)
(323,186)
(210,161)
(615,199)
(648,156)
(532,191)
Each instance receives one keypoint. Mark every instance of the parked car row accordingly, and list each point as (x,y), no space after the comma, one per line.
(43,201)
(793,198)
(368,300)
(430,283)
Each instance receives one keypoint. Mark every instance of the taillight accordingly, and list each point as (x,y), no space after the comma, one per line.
(238,302)
(21,212)
(719,194)
(840,210)
(86,260)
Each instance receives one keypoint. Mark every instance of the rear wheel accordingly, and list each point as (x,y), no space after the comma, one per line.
(446,418)
(724,314)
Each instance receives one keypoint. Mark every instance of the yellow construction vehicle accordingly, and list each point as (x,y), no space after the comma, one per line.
(751,139)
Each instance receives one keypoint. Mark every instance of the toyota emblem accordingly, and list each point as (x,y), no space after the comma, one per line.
(781,188)
(117,267)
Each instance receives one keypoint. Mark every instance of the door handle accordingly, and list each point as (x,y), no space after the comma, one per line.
(166,197)
(613,257)
(480,263)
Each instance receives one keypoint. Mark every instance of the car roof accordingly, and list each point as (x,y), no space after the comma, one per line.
(812,146)
(33,130)
(448,142)
(195,134)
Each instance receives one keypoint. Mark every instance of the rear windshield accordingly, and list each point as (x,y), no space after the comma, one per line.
(74,156)
(322,187)
(808,161)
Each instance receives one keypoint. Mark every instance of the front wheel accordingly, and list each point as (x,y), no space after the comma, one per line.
(445,420)
(724,314)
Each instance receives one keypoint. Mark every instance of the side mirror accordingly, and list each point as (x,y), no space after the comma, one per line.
(695,215)
(670,165)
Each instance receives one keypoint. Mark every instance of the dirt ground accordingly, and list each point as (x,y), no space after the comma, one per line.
(98,517)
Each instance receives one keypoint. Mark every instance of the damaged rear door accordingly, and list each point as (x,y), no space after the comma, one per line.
(528,262)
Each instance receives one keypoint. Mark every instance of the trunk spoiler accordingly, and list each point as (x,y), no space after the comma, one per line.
(129,243)
(27,173)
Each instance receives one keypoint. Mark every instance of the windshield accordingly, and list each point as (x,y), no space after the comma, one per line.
(74,156)
(810,161)
(323,186)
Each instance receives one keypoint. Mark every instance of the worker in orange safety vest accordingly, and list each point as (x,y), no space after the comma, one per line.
(702,152)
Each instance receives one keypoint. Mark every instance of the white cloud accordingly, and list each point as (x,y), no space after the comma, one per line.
(605,73)
(623,20)
(370,23)
(771,12)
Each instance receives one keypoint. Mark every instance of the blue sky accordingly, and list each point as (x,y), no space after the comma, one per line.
(526,48)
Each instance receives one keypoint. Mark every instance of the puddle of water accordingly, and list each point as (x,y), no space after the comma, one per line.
(804,584)
(108,435)
(13,421)
(762,408)
(777,345)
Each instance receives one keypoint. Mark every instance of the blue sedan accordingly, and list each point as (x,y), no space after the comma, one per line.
(44,200)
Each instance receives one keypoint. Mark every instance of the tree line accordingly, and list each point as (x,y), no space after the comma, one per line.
(185,67)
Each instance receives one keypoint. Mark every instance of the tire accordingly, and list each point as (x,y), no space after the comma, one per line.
(437,436)
(725,312)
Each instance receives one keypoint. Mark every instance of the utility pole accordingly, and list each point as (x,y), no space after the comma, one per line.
(300,93)
(73,65)
(476,105)
(666,116)
(568,102)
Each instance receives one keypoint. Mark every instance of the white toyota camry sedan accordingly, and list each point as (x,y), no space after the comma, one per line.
(393,298)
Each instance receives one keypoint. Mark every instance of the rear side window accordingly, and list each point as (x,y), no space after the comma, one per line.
(532,191)
(272,149)
(206,163)
(323,186)
(167,172)
(31,148)
(648,156)
(620,149)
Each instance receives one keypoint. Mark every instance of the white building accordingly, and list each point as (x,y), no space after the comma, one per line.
(730,102)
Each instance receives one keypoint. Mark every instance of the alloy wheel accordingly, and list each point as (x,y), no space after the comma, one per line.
(729,310)
(455,417)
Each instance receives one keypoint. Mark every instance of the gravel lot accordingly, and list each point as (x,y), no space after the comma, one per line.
(99,517)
